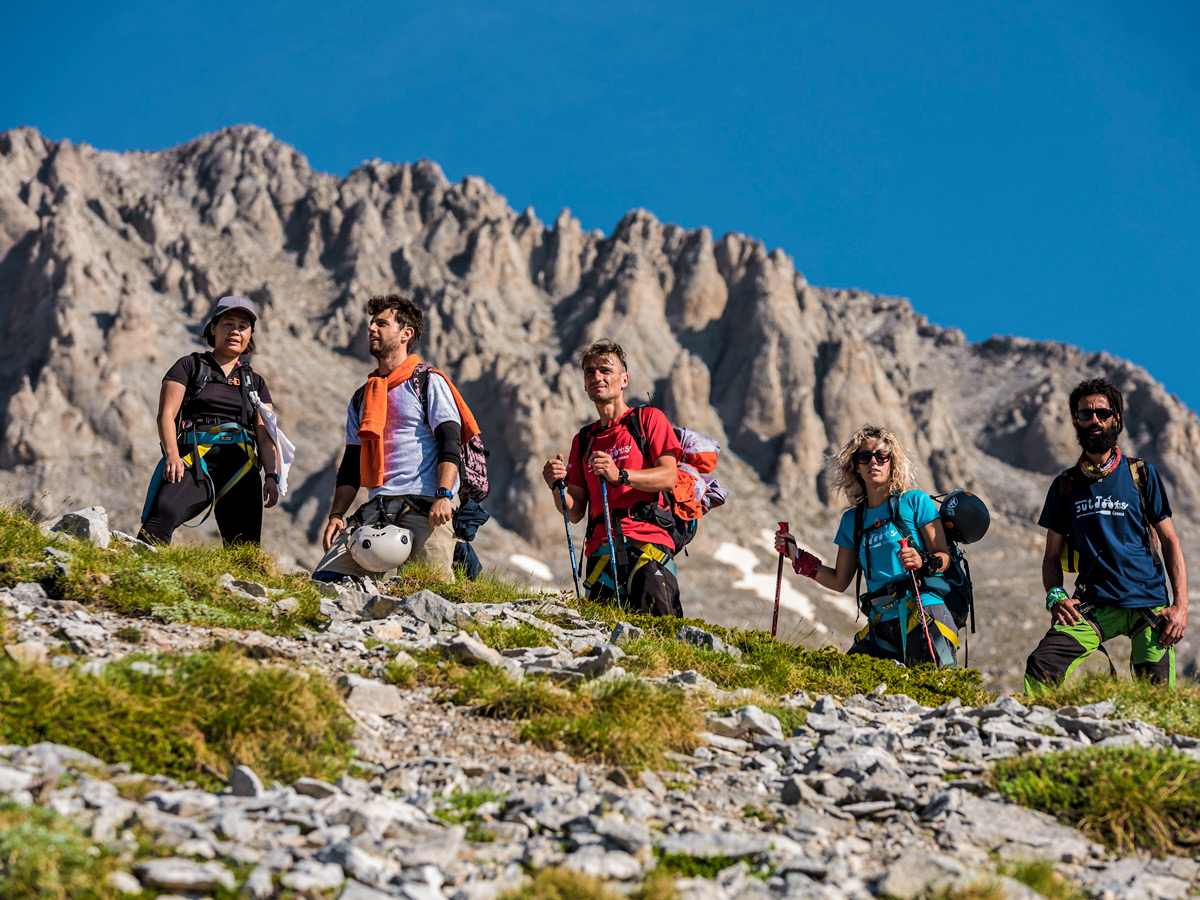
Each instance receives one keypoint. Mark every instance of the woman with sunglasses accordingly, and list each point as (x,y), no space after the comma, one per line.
(892,534)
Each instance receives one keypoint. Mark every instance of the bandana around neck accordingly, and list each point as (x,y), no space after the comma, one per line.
(1091,470)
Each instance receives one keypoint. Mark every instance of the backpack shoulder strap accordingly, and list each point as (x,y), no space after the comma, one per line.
(246,376)
(200,377)
(1137,469)
(859,511)
(1066,481)
(894,515)
(420,377)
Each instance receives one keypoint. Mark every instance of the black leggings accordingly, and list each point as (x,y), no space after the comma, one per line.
(238,514)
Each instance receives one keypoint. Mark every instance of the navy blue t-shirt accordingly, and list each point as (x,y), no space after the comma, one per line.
(1105,517)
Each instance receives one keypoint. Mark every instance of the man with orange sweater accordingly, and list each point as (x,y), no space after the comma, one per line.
(403,432)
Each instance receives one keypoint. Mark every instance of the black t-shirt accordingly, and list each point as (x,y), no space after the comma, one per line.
(221,396)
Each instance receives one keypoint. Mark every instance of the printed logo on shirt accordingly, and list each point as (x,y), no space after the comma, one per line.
(618,452)
(1100,506)
(877,537)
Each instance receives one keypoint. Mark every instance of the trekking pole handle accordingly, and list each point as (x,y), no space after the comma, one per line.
(559,485)
(783,528)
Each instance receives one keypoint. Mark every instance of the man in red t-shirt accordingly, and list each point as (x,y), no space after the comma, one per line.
(607,449)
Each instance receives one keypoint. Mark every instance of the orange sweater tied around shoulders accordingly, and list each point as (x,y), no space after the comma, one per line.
(374,416)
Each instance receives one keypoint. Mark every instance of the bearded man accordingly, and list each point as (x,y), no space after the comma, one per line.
(1105,518)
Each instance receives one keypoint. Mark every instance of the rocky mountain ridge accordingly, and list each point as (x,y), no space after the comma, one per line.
(109,264)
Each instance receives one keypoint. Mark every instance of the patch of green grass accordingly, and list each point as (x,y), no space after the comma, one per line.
(763,814)
(489,587)
(984,889)
(179,584)
(513,634)
(21,543)
(561,884)
(623,722)
(1041,876)
(659,884)
(46,857)
(206,713)
(129,635)
(176,584)
(1174,710)
(684,866)
(772,667)
(1126,798)
(461,809)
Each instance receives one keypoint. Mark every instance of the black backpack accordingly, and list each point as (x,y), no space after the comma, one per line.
(960,593)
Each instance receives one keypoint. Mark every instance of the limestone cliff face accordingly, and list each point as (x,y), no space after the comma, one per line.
(109,264)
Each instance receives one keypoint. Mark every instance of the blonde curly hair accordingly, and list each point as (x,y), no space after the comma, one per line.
(843,471)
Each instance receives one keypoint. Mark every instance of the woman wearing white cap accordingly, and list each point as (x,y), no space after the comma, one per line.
(213,436)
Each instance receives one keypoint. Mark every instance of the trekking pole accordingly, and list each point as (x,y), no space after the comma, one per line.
(612,552)
(561,484)
(924,622)
(783,527)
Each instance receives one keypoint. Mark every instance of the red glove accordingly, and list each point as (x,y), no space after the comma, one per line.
(806,564)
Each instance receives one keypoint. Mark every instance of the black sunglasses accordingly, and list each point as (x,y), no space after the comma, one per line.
(1085,415)
(862,457)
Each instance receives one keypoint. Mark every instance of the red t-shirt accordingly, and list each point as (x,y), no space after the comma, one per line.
(617,442)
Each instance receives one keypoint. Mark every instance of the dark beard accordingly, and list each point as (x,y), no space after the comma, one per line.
(1103,442)
(384,348)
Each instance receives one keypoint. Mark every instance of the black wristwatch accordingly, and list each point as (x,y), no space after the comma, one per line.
(274,475)
(444,494)
(623,477)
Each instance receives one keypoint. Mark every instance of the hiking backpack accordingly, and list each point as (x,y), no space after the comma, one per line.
(696,490)
(473,471)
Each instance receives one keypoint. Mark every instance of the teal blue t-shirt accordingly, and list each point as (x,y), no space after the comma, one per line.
(917,511)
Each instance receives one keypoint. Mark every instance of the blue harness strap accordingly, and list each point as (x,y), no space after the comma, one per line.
(203,442)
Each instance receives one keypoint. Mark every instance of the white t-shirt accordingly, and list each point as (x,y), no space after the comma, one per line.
(409,446)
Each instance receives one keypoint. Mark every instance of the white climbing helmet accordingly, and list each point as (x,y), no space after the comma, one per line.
(380,547)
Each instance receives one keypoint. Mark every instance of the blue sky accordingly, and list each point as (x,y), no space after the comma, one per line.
(1012,168)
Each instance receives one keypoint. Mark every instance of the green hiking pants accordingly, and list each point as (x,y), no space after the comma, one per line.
(1064,647)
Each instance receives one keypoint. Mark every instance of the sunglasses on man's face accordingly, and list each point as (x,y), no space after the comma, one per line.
(862,457)
(1085,415)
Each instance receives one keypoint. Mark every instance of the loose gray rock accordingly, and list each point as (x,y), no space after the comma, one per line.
(356,890)
(380,606)
(124,882)
(431,608)
(178,874)
(311,876)
(30,653)
(914,872)
(315,788)
(90,524)
(623,633)
(699,637)
(258,884)
(244,782)
(369,696)
(594,860)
